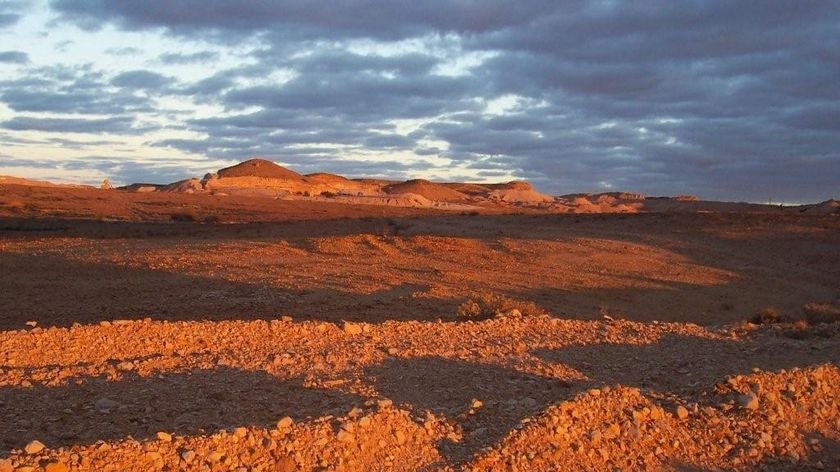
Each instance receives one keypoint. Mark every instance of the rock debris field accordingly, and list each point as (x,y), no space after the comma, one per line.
(414,341)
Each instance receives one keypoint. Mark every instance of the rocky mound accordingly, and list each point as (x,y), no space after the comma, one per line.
(184,186)
(429,190)
(513,185)
(260,168)
(519,192)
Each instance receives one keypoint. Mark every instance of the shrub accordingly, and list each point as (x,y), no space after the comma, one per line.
(183,217)
(816,313)
(766,316)
(489,305)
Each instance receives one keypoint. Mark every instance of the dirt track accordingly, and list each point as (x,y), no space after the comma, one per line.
(353,324)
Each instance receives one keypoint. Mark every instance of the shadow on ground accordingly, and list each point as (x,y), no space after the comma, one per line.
(764,257)
(85,410)
(448,387)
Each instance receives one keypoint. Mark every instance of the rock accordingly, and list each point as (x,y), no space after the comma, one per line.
(285,464)
(476,404)
(32,324)
(6,465)
(365,421)
(748,401)
(105,405)
(215,457)
(345,436)
(595,392)
(681,412)
(187,456)
(285,423)
(352,328)
(384,403)
(613,431)
(163,436)
(240,432)
(34,447)
(125,366)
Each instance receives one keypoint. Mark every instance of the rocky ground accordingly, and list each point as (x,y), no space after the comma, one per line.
(420,342)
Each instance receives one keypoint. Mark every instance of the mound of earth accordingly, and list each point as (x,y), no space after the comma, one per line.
(513,185)
(143,188)
(325,178)
(469,189)
(828,207)
(518,192)
(259,168)
(429,190)
(184,186)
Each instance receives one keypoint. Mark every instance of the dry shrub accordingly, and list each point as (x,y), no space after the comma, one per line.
(817,313)
(488,305)
(183,217)
(766,316)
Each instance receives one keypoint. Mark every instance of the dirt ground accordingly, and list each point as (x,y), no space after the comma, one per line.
(179,332)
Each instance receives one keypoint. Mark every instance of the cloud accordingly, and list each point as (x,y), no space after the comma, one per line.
(375,19)
(68,89)
(141,80)
(117,125)
(13,57)
(171,58)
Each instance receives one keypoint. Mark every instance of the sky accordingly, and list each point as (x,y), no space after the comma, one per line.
(728,100)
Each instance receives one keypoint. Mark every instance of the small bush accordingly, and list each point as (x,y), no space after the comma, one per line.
(183,217)
(817,313)
(766,316)
(490,305)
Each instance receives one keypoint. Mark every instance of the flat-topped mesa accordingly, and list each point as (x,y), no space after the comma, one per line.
(260,168)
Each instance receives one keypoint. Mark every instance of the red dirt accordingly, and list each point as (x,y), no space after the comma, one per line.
(410,339)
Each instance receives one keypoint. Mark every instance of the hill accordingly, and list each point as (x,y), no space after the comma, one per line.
(259,168)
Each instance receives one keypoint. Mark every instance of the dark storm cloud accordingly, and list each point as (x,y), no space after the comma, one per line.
(14,57)
(723,99)
(117,125)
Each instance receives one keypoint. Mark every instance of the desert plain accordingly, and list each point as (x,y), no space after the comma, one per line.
(211,328)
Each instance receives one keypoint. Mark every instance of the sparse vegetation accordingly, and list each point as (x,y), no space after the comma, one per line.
(817,313)
(766,316)
(183,217)
(489,305)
